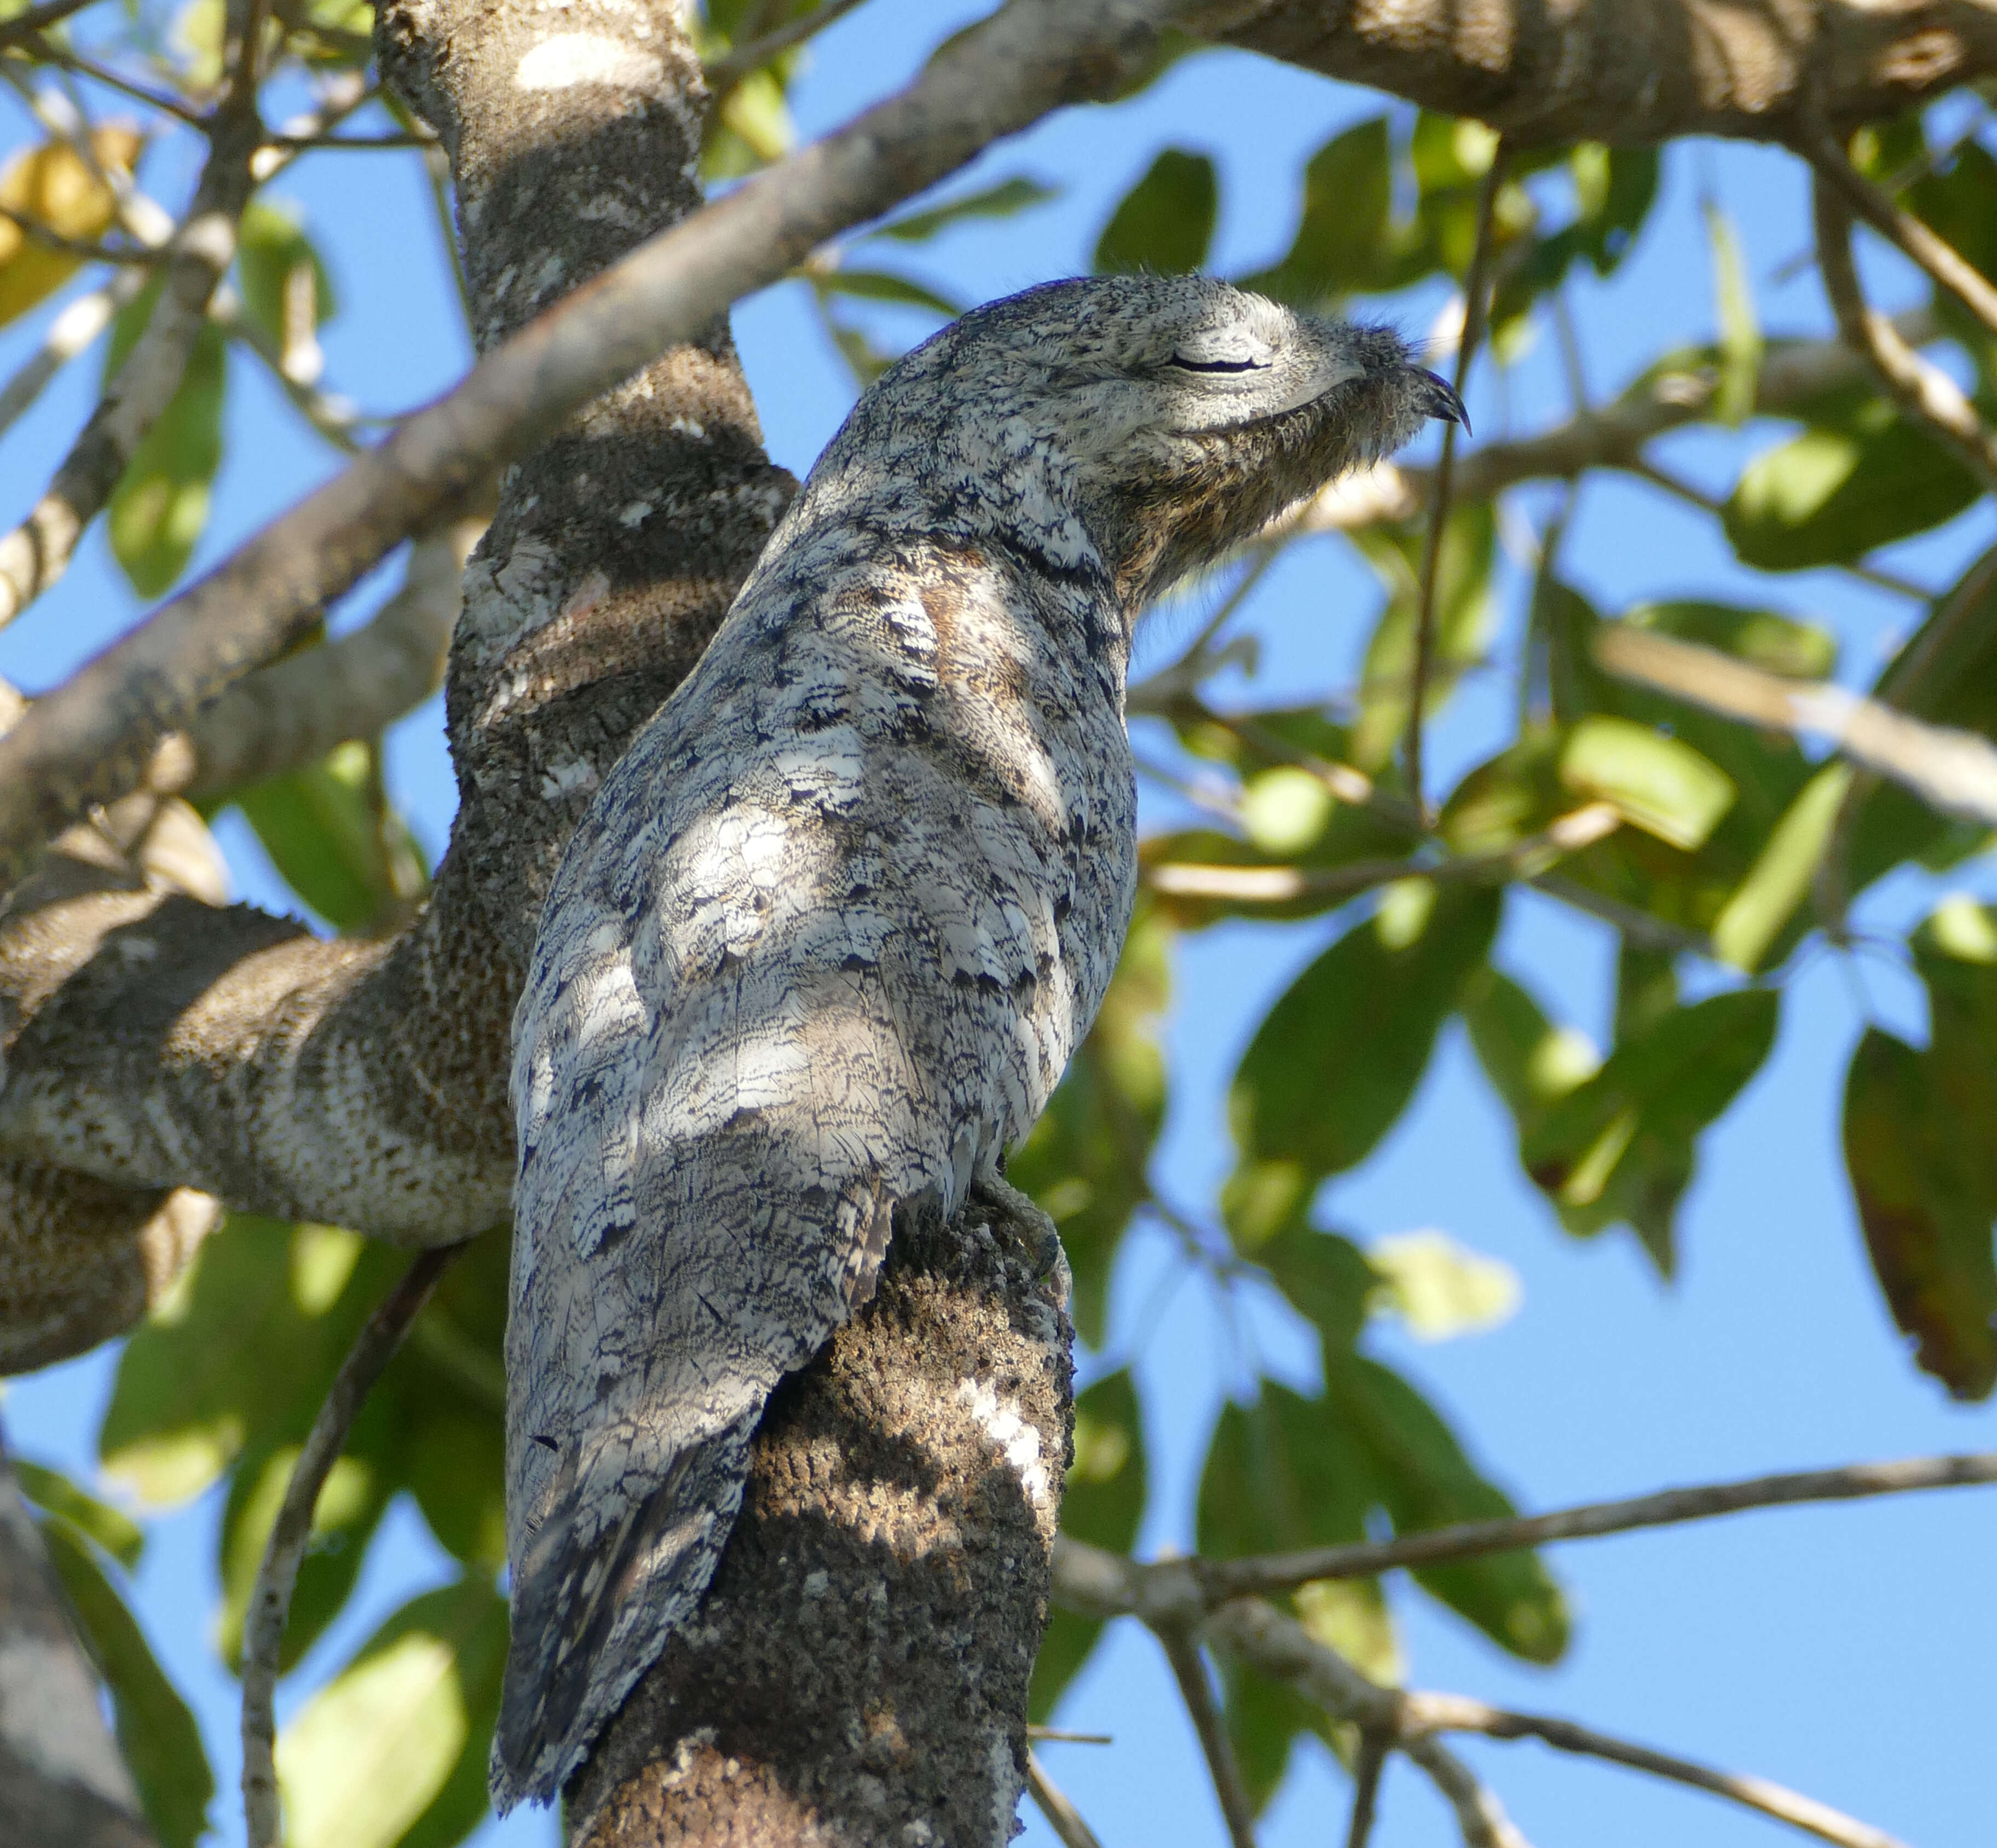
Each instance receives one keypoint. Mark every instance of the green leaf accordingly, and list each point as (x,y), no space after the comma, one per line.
(156,1734)
(1531,1063)
(1619,1145)
(393,1750)
(241,1353)
(1659,784)
(1341,244)
(1102,1504)
(117,1533)
(1464,613)
(1739,329)
(1768,899)
(160,507)
(1085,1161)
(1324,1277)
(346,859)
(287,294)
(1007,199)
(1165,222)
(1301,1103)
(1923,1187)
(880,285)
(1424,1480)
(1836,491)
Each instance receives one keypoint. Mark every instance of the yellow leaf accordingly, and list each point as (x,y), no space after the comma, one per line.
(51,186)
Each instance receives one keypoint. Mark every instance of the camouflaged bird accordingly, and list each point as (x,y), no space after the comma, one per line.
(832,929)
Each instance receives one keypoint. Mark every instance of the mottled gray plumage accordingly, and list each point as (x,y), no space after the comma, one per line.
(833,926)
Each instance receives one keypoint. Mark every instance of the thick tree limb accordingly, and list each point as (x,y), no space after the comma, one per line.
(61,1778)
(1639,71)
(283,1552)
(88,741)
(1954,771)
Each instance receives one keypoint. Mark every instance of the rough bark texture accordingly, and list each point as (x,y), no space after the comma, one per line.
(858,1673)
(151,1040)
(61,1779)
(1637,71)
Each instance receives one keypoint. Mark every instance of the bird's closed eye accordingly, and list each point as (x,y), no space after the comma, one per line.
(1186,365)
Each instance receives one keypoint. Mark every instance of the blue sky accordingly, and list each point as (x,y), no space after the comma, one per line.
(1847,1652)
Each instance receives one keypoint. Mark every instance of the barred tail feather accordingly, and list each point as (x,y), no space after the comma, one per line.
(594,1601)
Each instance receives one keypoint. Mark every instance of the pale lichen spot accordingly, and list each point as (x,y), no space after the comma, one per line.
(570,58)
(1018,1440)
(567,777)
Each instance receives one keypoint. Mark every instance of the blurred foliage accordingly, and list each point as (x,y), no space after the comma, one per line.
(1729,853)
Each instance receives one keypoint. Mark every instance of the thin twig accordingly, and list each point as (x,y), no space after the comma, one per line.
(1475,308)
(1456,1713)
(65,60)
(1373,1749)
(72,332)
(1933,253)
(81,248)
(90,740)
(269,1602)
(1954,771)
(1278,885)
(1920,389)
(729,69)
(300,143)
(1060,1736)
(36,20)
(1189,1667)
(1062,1818)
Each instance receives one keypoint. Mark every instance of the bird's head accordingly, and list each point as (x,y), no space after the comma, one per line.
(1169,417)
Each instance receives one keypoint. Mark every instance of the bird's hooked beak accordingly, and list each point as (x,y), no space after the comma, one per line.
(1437,397)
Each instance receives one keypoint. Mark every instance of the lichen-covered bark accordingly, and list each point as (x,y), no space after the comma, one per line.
(150,1044)
(858,1673)
(1634,72)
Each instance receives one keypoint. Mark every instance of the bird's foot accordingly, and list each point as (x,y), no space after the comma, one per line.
(1018,1215)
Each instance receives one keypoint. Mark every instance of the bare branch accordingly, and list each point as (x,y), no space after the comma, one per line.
(91,739)
(1476,305)
(1062,1818)
(1278,885)
(1095,1583)
(82,249)
(75,327)
(270,1601)
(1955,771)
(1373,1749)
(1933,253)
(1458,1713)
(1189,1668)
(293,711)
(1923,391)
(29,24)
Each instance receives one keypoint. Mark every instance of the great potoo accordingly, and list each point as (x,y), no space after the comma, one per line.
(832,928)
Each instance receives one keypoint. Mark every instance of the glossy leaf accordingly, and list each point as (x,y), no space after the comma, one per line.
(1165,222)
(105,1526)
(50,186)
(347,860)
(1739,330)
(393,1750)
(1085,1160)
(1103,1503)
(1324,1277)
(1341,244)
(1658,783)
(156,1734)
(1769,897)
(1838,491)
(1005,200)
(1424,1480)
(160,507)
(1338,1055)
(287,294)
(881,285)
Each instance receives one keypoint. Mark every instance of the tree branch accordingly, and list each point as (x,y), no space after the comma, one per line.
(271,1600)
(1093,1583)
(1924,391)
(1062,1818)
(1458,1713)
(1641,71)
(88,741)
(1954,771)
(1189,1670)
